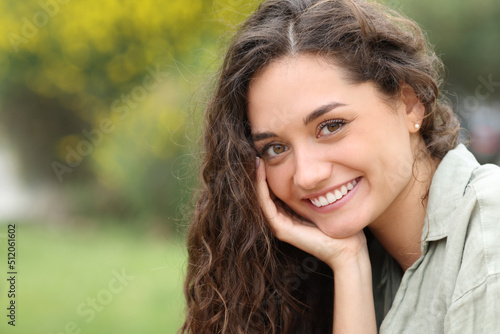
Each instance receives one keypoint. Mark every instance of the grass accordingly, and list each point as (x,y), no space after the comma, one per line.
(76,280)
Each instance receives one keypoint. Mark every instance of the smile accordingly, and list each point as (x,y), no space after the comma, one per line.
(334,195)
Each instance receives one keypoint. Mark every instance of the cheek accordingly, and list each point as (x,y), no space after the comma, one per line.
(279,181)
(394,172)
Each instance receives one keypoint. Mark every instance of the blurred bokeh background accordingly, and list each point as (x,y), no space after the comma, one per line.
(100,117)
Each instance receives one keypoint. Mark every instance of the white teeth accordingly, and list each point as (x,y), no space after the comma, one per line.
(332,197)
(338,194)
(343,190)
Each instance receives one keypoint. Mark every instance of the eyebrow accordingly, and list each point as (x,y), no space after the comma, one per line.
(318,112)
(321,111)
(262,136)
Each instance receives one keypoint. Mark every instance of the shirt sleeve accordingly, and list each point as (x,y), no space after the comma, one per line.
(477,311)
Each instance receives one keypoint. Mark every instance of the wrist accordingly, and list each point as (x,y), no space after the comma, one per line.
(360,267)
(349,262)
(354,309)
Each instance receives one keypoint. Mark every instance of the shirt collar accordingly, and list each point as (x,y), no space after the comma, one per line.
(447,187)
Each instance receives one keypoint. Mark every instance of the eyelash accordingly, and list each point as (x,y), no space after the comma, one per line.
(262,152)
(266,148)
(326,123)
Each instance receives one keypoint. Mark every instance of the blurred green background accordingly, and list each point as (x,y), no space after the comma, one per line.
(100,117)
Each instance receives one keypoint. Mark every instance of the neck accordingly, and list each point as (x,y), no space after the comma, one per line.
(399,229)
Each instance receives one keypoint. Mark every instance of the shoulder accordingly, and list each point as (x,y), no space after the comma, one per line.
(482,249)
(485,180)
(476,297)
(485,183)
(469,200)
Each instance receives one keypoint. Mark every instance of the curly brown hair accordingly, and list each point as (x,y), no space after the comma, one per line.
(240,278)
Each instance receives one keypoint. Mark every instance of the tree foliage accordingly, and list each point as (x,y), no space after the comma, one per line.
(97,95)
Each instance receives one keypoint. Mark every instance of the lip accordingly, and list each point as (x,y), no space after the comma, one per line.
(337,204)
(325,191)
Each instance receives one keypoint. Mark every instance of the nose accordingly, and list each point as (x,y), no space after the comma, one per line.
(311,168)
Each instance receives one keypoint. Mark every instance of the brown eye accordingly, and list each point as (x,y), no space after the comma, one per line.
(278,149)
(274,150)
(333,127)
(330,127)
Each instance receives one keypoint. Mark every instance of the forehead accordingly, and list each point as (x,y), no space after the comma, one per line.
(291,84)
(285,70)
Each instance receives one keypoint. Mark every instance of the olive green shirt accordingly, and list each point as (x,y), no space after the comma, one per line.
(454,287)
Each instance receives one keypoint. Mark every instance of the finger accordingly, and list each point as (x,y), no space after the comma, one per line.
(285,224)
(293,229)
(264,198)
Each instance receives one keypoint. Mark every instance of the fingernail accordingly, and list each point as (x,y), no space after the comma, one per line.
(257,162)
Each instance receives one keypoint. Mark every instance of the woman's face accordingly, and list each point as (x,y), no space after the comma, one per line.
(335,152)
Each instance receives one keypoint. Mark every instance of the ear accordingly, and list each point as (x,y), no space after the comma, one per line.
(415,110)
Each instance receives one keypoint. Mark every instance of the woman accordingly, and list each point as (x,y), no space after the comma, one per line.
(358,178)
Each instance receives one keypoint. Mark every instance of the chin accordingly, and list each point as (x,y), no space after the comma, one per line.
(339,231)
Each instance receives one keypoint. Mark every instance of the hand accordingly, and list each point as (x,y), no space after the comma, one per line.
(291,228)
(354,310)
